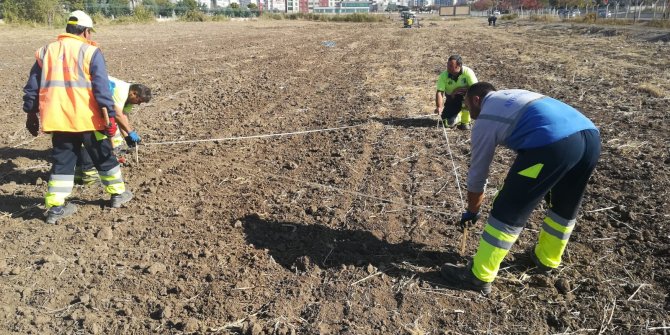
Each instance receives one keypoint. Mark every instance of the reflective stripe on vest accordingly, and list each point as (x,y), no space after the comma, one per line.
(66,92)
(120,90)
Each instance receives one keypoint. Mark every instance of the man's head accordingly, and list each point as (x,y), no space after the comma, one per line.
(79,23)
(138,94)
(454,64)
(475,96)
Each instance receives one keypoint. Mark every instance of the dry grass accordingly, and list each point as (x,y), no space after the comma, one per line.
(653,90)
(659,23)
(544,18)
(627,148)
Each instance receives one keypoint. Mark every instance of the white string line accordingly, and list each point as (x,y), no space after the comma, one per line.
(329,187)
(254,136)
(271,135)
(453,164)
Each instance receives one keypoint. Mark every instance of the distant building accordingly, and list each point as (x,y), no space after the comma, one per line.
(272,5)
(345,7)
(292,6)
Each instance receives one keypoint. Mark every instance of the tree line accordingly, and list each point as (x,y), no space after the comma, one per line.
(55,11)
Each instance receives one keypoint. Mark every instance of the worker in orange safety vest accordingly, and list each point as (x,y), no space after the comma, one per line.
(69,87)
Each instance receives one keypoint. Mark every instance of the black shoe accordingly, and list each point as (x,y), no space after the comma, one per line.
(462,278)
(56,213)
(120,199)
(450,122)
(464,126)
(541,268)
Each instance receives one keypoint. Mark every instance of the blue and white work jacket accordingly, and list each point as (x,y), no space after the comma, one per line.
(518,119)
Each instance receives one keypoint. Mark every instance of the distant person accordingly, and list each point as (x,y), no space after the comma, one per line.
(68,87)
(451,87)
(408,22)
(557,149)
(492,20)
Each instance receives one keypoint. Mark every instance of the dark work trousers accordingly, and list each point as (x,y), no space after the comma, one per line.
(452,106)
(67,150)
(84,161)
(566,168)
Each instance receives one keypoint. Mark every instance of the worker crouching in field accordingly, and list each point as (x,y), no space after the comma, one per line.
(125,96)
(492,20)
(69,88)
(451,87)
(557,150)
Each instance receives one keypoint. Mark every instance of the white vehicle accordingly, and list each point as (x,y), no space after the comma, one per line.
(496,13)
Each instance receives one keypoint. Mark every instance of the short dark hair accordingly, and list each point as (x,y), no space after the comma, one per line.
(480,89)
(74,29)
(142,92)
(457,58)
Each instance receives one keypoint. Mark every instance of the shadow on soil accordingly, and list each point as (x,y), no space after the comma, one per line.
(9,172)
(424,122)
(298,247)
(21,207)
(9,153)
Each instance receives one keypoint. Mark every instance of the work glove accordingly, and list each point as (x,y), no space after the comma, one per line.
(468,219)
(132,139)
(33,124)
(110,129)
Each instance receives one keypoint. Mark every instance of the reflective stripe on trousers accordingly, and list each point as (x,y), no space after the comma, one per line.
(553,239)
(59,187)
(465,116)
(494,245)
(112,180)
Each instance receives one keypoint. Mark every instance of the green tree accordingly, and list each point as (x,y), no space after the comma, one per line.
(39,11)
(183,6)
(12,10)
(150,5)
(234,5)
(143,14)
(165,7)
(93,6)
(119,7)
(72,5)
(252,6)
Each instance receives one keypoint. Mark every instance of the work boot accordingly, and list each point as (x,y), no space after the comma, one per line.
(120,199)
(462,278)
(464,126)
(540,268)
(450,122)
(56,213)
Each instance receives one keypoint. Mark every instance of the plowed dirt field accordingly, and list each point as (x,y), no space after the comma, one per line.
(339,231)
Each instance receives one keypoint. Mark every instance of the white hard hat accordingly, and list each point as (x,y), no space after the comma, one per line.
(81,19)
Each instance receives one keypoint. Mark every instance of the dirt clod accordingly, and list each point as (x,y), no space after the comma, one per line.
(156,268)
(105,233)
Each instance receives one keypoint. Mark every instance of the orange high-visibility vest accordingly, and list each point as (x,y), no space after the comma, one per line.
(66,92)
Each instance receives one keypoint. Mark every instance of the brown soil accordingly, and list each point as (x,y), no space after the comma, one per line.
(328,233)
